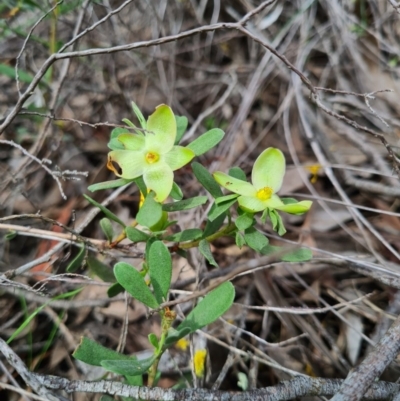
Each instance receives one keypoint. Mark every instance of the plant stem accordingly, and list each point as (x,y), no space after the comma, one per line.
(228,229)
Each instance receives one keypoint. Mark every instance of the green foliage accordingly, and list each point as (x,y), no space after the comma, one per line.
(147,157)
(136,235)
(210,308)
(76,263)
(107,212)
(206,180)
(181,127)
(100,269)
(132,367)
(107,228)
(205,250)
(190,234)
(93,353)
(207,141)
(160,270)
(108,184)
(150,213)
(255,240)
(185,204)
(133,282)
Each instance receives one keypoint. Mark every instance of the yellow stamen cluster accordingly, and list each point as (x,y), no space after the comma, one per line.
(182,344)
(200,362)
(264,193)
(152,157)
(314,170)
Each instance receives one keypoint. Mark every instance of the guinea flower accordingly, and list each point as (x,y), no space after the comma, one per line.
(152,155)
(266,177)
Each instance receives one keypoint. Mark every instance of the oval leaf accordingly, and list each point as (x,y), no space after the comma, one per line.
(205,250)
(76,263)
(255,240)
(109,184)
(210,308)
(134,283)
(207,180)
(185,204)
(93,353)
(107,228)
(136,235)
(206,141)
(129,368)
(150,213)
(160,270)
(186,235)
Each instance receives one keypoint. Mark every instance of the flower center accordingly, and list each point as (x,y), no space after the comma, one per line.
(264,193)
(152,157)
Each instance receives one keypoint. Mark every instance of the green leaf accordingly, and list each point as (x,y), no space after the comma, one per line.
(141,185)
(225,198)
(205,250)
(277,222)
(288,201)
(115,289)
(217,210)
(130,367)
(206,141)
(153,340)
(139,115)
(100,269)
(176,192)
(114,143)
(181,126)
(93,353)
(76,263)
(210,308)
(207,180)
(107,212)
(254,239)
(134,283)
(150,213)
(174,335)
(243,381)
(136,235)
(246,220)
(190,234)
(107,228)
(185,204)
(160,270)
(109,184)
(213,226)
(9,71)
(10,235)
(238,173)
(25,323)
(239,239)
(298,255)
(128,122)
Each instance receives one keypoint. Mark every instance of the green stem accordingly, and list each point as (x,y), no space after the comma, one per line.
(228,229)
(167,318)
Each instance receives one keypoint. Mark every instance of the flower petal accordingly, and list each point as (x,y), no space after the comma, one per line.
(234,185)
(178,156)
(131,141)
(130,163)
(251,204)
(162,130)
(159,179)
(295,208)
(269,169)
